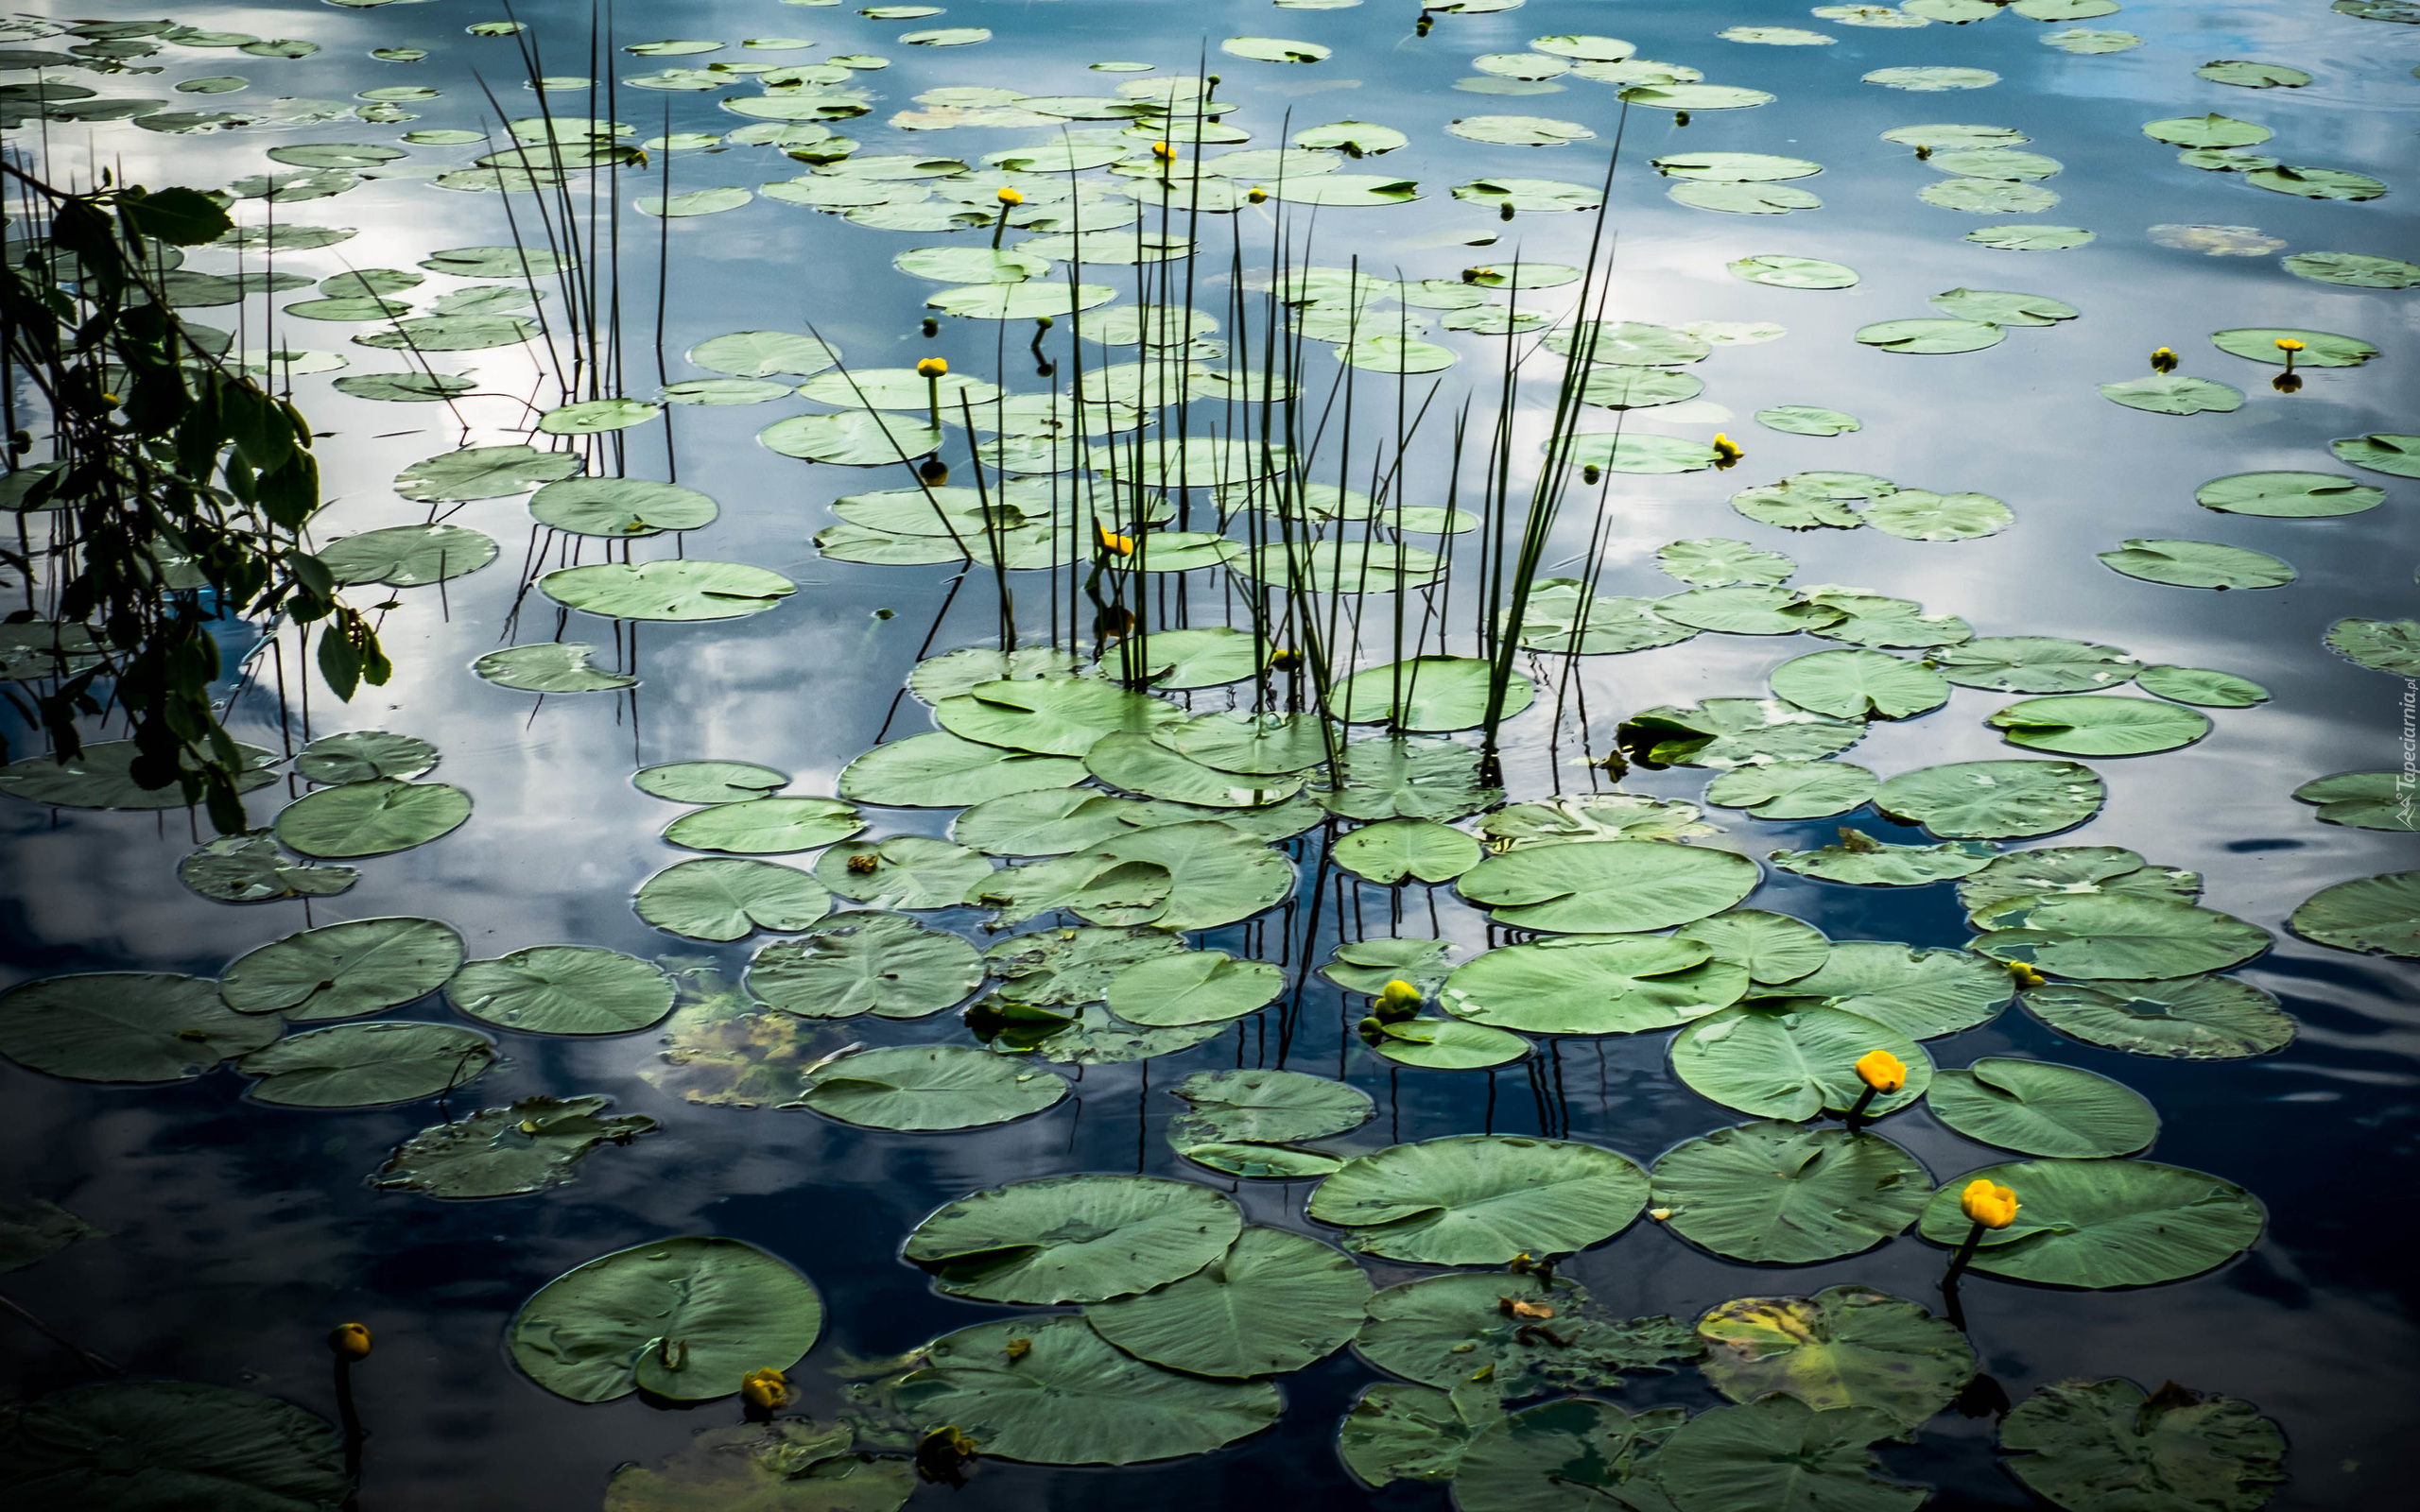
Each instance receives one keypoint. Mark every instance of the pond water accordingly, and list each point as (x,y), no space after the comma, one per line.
(236,1232)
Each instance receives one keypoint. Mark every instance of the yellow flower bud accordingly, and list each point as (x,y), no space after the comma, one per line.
(933,367)
(2026,977)
(1399,996)
(1164,152)
(764,1389)
(2162,360)
(1727,449)
(1256,194)
(1112,542)
(1883,1071)
(864,863)
(351,1341)
(1010,196)
(1284,658)
(2289,344)
(1994,1206)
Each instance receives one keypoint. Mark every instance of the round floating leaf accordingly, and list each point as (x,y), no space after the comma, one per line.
(1918,514)
(1931,336)
(360,755)
(1695,96)
(1993,800)
(549,668)
(126,1026)
(1396,1432)
(1861,685)
(1207,658)
(620,508)
(1275,1303)
(1480,1199)
(1746,609)
(342,970)
(1257,1107)
(2104,936)
(2211,130)
(503,1152)
(2033,664)
(766,826)
(1398,777)
(1779,1453)
(1932,79)
(2094,725)
(1808,419)
(1845,1347)
(787,1465)
(1793,790)
(2029,238)
(482,473)
(1744,198)
(1771,948)
(2316,184)
(1561,616)
(1859,860)
(2038,1109)
(2174,394)
(1427,694)
(1716,561)
(2098,1224)
(251,867)
(1785,273)
(928,1088)
(1073,1239)
(1529,194)
(2087,1444)
(130,1444)
(2201,685)
(1733,732)
(1448,1044)
(2287,495)
(723,899)
(1987,197)
(1785,1062)
(904,871)
(2319,347)
(1068,1397)
(1592,816)
(407,556)
(939,770)
(2372,915)
(763,353)
(1133,761)
(2365,800)
(1197,987)
(2381,452)
(709,781)
(592,416)
(372,819)
(1051,716)
(2354,270)
(683,1319)
(563,989)
(2197,564)
(367,1065)
(672,590)
(1608,887)
(854,437)
(1558,1456)
(2074,871)
(882,964)
(1392,850)
(1922,994)
(2382,645)
(1618,985)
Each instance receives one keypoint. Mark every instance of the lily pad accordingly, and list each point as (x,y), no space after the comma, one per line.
(343,970)
(2098,1224)
(2368,915)
(2381,452)
(884,964)
(2084,1444)
(1860,860)
(2095,725)
(1414,779)
(1613,985)
(682,1318)
(1777,1452)
(360,755)
(2074,871)
(536,1143)
(1919,514)
(1073,1238)
(1808,419)
(1861,685)
(1429,695)
(939,770)
(2033,664)
(1785,273)
(549,666)
(1931,336)
(563,989)
(2319,347)
(373,819)
(367,1065)
(1793,790)
(2316,184)
(2365,800)
(126,1026)
(123,1444)
(1275,1303)
(1727,733)
(1480,1199)
(1791,1061)
(1051,716)
(251,867)
(2204,686)
(766,826)
(2104,936)
(1197,987)
(1390,851)
(2287,495)
(2029,238)
(727,899)
(2358,271)
(1922,994)
(2174,394)
(928,1088)
(621,509)
(1774,1192)
(407,556)
(1993,800)
(1068,1397)
(1608,887)
(1562,1457)
(906,871)
(680,590)
(1133,761)
(1844,1347)
(2038,1109)
(1772,948)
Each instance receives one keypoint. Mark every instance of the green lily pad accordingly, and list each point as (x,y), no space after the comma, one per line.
(1860,860)
(1563,616)
(407,556)
(373,819)
(1791,1061)
(1392,850)
(1275,1303)
(2174,394)
(2365,800)
(1480,1199)
(1613,985)
(906,871)
(1620,387)
(939,770)
(1844,1347)
(1206,658)
(2319,350)
(1933,79)
(682,1318)
(1427,694)
(2358,270)
(1448,1044)
(1746,609)
(669,590)
(2201,685)
(1529,194)
(2381,452)
(564,989)
(1772,948)
(1793,790)
(2098,1224)
(764,353)
(928,1088)
(1744,198)
(884,964)
(1931,336)
(343,970)
(2029,238)
(709,781)
(1861,685)
(251,867)
(2033,664)
(766,826)
(1726,733)
(1993,800)
(1442,1330)
(2316,184)
(2038,1109)
(1051,716)
(2369,915)
(2086,724)
(1695,96)
(1808,419)
(549,666)
(124,1444)
(2104,936)
(1777,1452)
(1922,994)
(367,1065)
(1197,987)
(1396,1432)
(1919,514)
(2084,1444)
(1776,1192)
(126,1026)
(1073,1239)
(536,1143)
(2382,645)
(2073,870)
(1608,887)
(2287,495)
(483,472)
(1412,779)
(1133,761)
(621,509)
(1716,562)
(785,1465)
(855,437)
(360,755)
(2210,131)
(727,899)
(1068,1397)
(1562,1457)
(1783,273)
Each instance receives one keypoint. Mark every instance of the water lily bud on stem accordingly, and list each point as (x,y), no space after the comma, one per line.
(933,370)
(1988,1206)
(1009,199)
(1162,152)
(1257,195)
(1883,1073)
(1727,451)
(1397,1000)
(1420,28)
(1111,543)
(2026,977)
(931,328)
(351,1341)
(765,1390)
(1590,473)
(2162,360)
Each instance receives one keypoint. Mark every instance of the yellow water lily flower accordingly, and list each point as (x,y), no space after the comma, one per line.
(351,1341)
(1010,196)
(1727,451)
(1112,542)
(933,367)
(1257,195)
(1883,1071)
(1399,996)
(1994,1206)
(2025,976)
(2289,344)
(2162,360)
(1164,152)
(764,1389)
